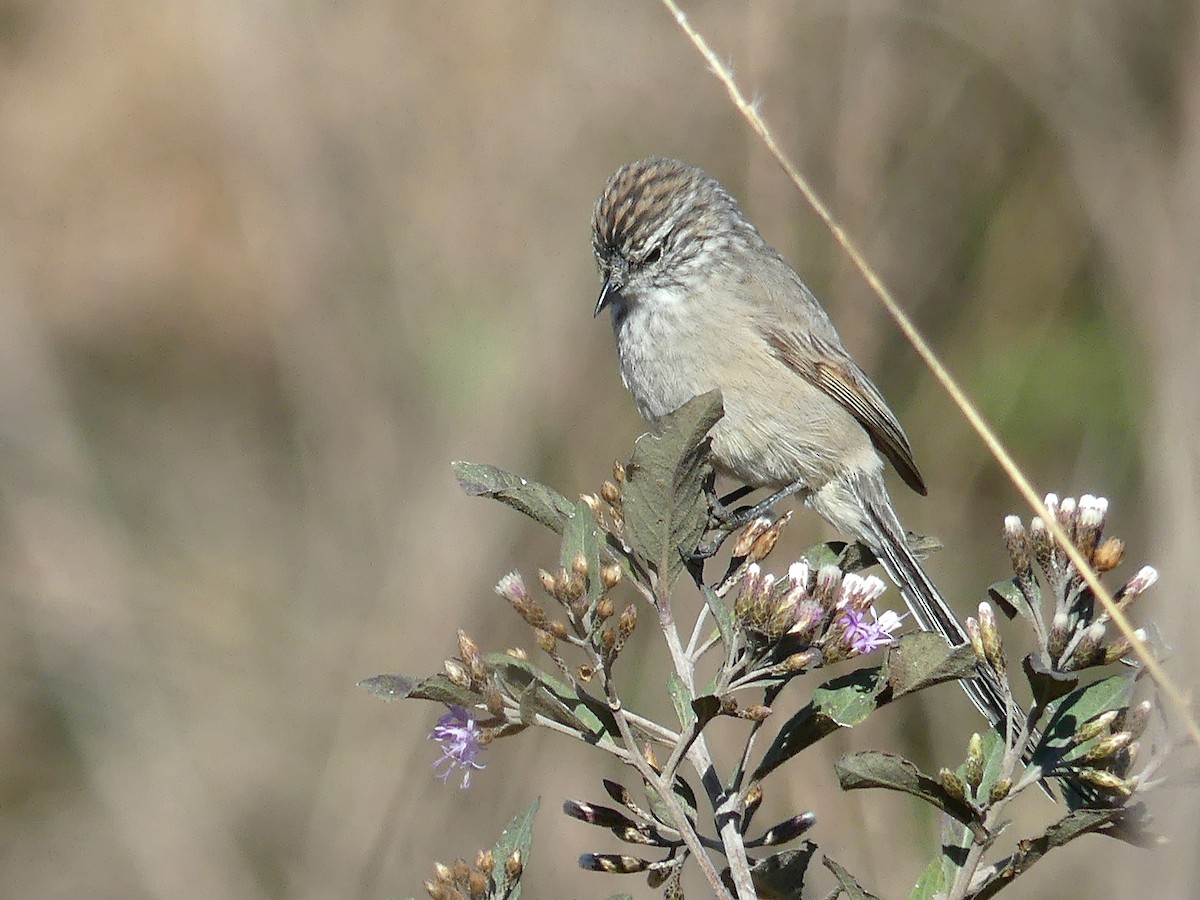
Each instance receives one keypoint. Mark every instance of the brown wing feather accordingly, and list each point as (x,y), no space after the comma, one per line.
(841,378)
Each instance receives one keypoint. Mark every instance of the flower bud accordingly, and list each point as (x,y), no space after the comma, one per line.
(953,784)
(976,639)
(626,623)
(468,651)
(461,871)
(485,861)
(1094,726)
(990,638)
(999,790)
(747,537)
(1107,747)
(973,767)
(754,797)
(579,565)
(559,629)
(1016,538)
(1105,780)
(547,582)
(513,866)
(457,673)
(765,542)
(1108,555)
(477,886)
(618,472)
(610,576)
(611,493)
(1137,718)
(604,609)
(1056,642)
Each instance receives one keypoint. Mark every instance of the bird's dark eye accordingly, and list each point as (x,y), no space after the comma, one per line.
(653,256)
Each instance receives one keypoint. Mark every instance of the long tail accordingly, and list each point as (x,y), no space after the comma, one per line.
(883,533)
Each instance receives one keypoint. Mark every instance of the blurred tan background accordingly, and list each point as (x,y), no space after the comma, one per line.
(266,268)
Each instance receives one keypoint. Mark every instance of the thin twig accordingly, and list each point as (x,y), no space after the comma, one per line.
(1174,694)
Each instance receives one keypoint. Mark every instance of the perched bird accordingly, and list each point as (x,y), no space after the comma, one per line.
(700,301)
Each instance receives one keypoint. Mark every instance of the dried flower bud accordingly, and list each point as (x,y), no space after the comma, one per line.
(999,790)
(547,582)
(457,673)
(610,576)
(513,866)
(485,861)
(953,784)
(604,609)
(754,797)
(626,624)
(443,873)
(441,891)
(579,565)
(559,629)
(1107,747)
(747,537)
(1094,726)
(611,493)
(765,542)
(461,871)
(477,886)
(973,767)
(585,673)
(561,581)
(798,662)
(1108,555)
(756,713)
(546,640)
(493,700)
(618,472)
(468,651)
(608,640)
(651,758)
(592,502)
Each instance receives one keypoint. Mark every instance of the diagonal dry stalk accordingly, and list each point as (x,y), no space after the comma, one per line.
(1165,683)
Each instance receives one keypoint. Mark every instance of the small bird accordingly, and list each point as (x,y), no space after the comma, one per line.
(700,302)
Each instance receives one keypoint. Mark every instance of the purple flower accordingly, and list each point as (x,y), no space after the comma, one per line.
(462,741)
(866,636)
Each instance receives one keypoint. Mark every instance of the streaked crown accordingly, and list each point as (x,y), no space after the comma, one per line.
(659,220)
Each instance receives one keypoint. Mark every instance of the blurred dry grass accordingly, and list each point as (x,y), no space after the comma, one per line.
(266,268)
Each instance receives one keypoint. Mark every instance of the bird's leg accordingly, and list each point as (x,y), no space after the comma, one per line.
(726,521)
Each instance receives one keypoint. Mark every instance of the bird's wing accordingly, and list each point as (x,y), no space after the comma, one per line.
(826,364)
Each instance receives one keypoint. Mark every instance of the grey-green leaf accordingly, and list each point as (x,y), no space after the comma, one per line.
(437,688)
(876,769)
(849,885)
(542,504)
(581,537)
(664,502)
(841,702)
(922,659)
(517,836)
(781,875)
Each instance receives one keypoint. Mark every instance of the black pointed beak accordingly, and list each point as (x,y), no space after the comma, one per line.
(608,293)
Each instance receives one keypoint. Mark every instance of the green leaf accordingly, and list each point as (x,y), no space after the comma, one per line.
(681,699)
(581,537)
(587,714)
(850,887)
(540,503)
(875,769)
(517,836)
(922,659)
(1080,822)
(934,882)
(663,499)
(726,623)
(1046,684)
(1012,600)
(781,875)
(1067,714)
(839,703)
(437,688)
